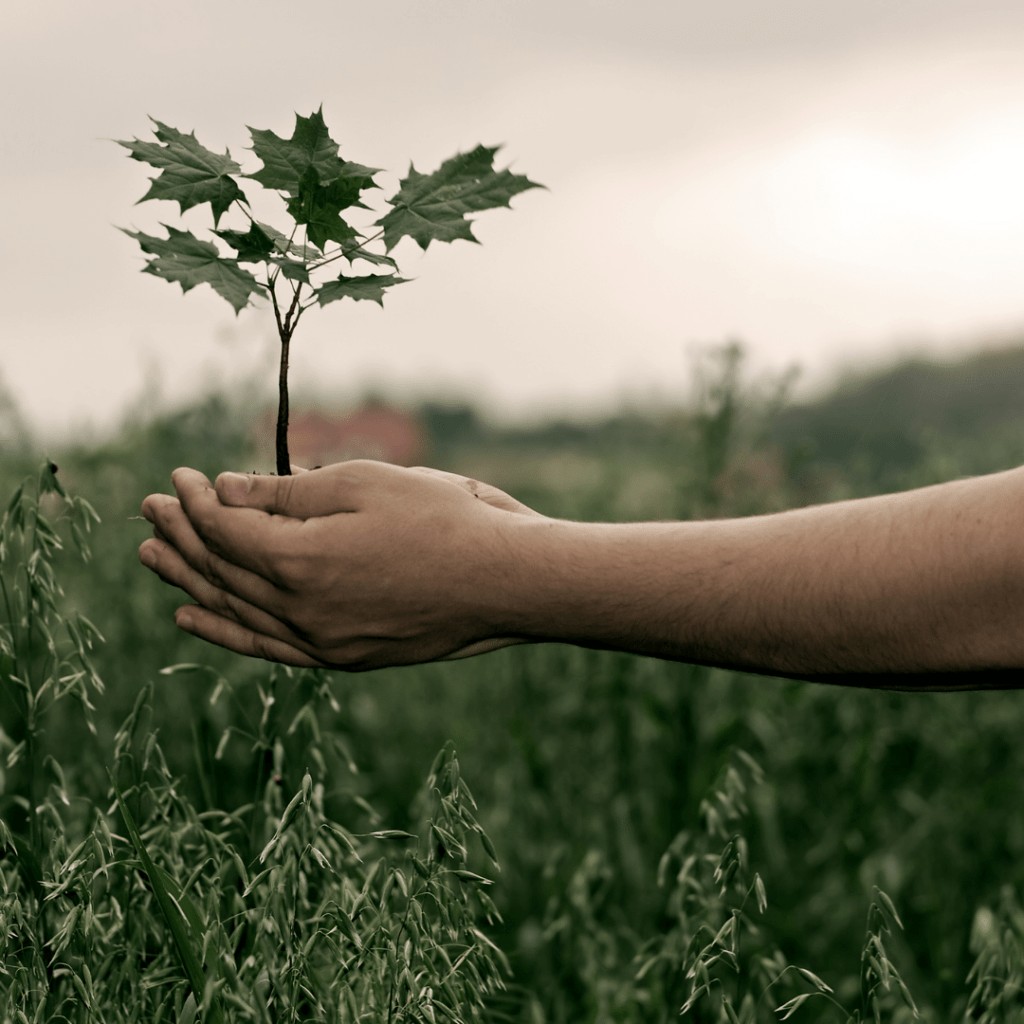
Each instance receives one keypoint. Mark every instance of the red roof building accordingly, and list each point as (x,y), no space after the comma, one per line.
(372,432)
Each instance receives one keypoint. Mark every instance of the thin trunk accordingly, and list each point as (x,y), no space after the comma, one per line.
(284,466)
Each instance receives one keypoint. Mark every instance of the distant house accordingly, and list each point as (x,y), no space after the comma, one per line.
(371,432)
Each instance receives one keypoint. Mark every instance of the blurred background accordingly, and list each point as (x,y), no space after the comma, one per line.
(779,262)
(832,183)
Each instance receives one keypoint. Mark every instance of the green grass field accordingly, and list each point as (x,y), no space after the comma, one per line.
(638,809)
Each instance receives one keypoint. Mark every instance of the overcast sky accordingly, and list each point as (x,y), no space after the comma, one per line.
(829,182)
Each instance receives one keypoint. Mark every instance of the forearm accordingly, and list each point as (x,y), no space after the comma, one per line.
(886,591)
(361,565)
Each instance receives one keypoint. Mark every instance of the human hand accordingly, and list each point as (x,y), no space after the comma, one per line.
(355,566)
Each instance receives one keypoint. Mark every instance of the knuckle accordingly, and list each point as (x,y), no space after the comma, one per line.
(294,572)
(283,492)
(212,569)
(260,647)
(229,606)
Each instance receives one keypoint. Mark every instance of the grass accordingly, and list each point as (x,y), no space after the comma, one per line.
(666,833)
(183,917)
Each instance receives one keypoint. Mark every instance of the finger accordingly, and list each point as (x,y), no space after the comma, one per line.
(173,526)
(150,505)
(216,629)
(168,564)
(339,488)
(248,538)
(484,647)
(315,492)
(200,478)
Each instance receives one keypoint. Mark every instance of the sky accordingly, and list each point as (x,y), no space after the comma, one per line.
(833,184)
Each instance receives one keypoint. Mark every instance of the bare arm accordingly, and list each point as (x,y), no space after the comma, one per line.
(360,565)
(923,589)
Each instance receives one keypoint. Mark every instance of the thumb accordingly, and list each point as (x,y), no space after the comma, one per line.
(302,495)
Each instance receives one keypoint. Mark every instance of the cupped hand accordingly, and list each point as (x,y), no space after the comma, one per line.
(355,566)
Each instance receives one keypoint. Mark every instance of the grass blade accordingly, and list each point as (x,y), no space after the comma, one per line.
(170,908)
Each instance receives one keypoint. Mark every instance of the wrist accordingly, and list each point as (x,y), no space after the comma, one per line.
(562,581)
(517,581)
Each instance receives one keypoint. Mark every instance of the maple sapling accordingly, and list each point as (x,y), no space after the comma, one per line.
(316,184)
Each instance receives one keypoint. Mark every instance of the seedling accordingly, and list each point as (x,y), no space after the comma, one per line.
(316,184)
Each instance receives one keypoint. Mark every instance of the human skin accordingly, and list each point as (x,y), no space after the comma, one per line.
(362,564)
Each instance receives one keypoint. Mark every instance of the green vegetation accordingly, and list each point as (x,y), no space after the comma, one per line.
(668,835)
(315,185)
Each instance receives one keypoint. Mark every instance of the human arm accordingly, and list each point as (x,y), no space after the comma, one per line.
(920,590)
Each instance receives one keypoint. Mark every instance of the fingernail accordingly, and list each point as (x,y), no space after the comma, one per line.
(148,557)
(183,620)
(235,487)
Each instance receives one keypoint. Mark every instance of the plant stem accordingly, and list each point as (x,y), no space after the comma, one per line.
(284,329)
(284,466)
(31,689)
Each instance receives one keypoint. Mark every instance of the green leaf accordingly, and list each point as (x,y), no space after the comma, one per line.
(286,161)
(432,207)
(370,286)
(317,206)
(252,246)
(172,911)
(294,270)
(352,251)
(191,173)
(284,245)
(184,903)
(190,261)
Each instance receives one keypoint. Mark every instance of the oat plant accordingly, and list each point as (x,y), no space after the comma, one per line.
(129,904)
(719,957)
(997,977)
(44,657)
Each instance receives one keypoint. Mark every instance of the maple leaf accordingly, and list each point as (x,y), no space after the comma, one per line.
(352,251)
(286,161)
(433,207)
(294,270)
(318,207)
(285,245)
(252,246)
(263,243)
(371,286)
(191,174)
(190,261)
